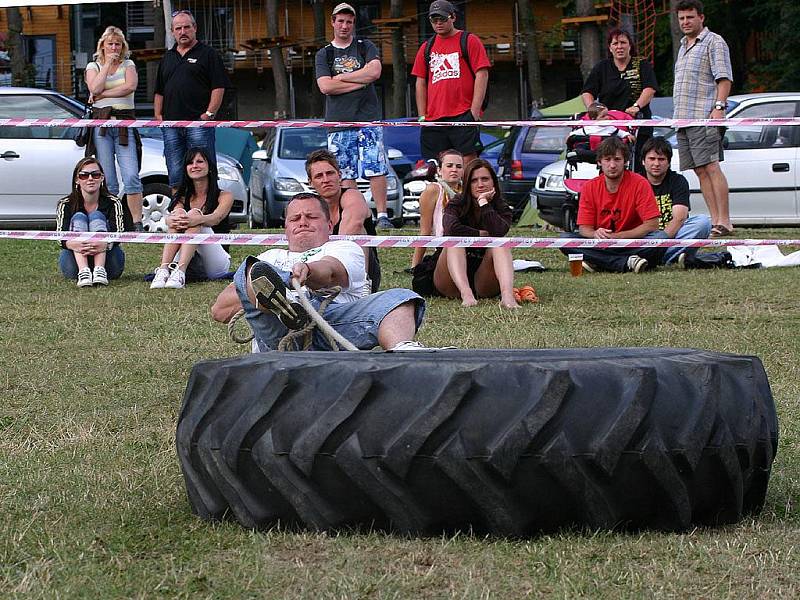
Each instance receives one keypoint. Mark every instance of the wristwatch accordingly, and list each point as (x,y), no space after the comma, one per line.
(210,115)
(636,106)
(720,105)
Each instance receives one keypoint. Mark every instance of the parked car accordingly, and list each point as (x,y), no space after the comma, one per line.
(279,173)
(761,165)
(36,163)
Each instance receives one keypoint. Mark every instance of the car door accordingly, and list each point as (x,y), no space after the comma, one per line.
(36,163)
(761,166)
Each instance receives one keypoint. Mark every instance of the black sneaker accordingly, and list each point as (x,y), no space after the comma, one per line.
(270,293)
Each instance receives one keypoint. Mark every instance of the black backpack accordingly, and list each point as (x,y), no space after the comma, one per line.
(361,49)
(464,52)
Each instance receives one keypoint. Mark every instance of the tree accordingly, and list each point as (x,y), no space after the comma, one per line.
(590,37)
(528,29)
(317,97)
(399,69)
(779,23)
(20,74)
(278,63)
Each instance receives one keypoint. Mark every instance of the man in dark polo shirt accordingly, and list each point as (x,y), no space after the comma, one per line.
(189,87)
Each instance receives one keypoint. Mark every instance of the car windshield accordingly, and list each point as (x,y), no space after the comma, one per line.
(296,144)
(545,139)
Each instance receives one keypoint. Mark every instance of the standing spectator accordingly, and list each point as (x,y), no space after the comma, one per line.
(190,85)
(90,207)
(623,82)
(703,78)
(617,205)
(346,70)
(112,80)
(672,196)
(452,71)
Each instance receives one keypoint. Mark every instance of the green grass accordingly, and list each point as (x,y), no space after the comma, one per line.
(92,502)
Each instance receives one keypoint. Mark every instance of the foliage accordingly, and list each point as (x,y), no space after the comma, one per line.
(781,22)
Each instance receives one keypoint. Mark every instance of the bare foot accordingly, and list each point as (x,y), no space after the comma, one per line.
(470,301)
(510,304)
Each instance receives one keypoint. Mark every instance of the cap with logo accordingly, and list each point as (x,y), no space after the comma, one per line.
(343,7)
(441,8)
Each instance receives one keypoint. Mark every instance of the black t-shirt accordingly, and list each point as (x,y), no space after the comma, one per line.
(673,190)
(186,81)
(617,89)
(358,105)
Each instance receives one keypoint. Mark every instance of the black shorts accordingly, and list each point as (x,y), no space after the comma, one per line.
(422,274)
(466,140)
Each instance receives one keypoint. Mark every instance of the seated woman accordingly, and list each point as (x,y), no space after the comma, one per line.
(431,210)
(477,272)
(90,207)
(199,205)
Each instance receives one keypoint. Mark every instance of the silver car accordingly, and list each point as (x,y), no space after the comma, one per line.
(279,173)
(36,164)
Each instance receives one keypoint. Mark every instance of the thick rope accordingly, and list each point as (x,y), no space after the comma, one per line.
(235,336)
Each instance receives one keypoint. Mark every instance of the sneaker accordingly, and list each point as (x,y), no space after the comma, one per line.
(682,260)
(160,278)
(176,280)
(85,277)
(412,346)
(587,267)
(384,223)
(99,276)
(271,295)
(138,227)
(637,264)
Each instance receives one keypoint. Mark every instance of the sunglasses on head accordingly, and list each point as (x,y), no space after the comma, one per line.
(182,11)
(84,175)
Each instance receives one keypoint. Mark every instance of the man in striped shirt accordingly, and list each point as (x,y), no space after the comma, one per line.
(703,78)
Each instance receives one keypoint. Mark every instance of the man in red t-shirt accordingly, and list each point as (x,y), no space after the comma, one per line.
(446,88)
(618,204)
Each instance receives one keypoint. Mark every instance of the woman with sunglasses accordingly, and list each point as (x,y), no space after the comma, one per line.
(90,207)
(199,206)
(470,273)
(112,81)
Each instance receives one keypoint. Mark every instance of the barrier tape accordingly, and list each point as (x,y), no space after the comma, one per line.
(389,241)
(674,123)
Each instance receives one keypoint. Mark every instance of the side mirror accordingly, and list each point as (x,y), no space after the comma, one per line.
(393,153)
(260,155)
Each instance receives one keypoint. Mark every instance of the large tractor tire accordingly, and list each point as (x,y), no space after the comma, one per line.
(508,442)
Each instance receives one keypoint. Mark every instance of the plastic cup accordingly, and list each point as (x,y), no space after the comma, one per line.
(576,264)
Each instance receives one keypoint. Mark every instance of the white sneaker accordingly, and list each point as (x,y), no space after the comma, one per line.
(85,277)
(412,346)
(99,276)
(176,280)
(160,279)
(637,264)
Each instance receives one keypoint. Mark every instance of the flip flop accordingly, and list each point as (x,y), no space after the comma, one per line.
(718,231)
(270,293)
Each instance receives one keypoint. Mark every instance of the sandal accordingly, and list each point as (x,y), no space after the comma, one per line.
(718,231)
(270,293)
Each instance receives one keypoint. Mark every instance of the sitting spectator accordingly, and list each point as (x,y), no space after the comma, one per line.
(672,195)
(90,207)
(199,205)
(468,273)
(349,211)
(617,204)
(389,319)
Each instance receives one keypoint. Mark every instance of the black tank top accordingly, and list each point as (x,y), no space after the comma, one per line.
(373,263)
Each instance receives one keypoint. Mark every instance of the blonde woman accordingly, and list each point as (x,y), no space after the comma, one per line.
(112,80)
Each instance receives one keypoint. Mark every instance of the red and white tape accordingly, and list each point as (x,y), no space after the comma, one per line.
(389,241)
(674,123)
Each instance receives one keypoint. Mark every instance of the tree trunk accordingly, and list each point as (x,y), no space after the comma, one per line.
(527,26)
(19,73)
(159,41)
(278,64)
(590,37)
(674,29)
(399,68)
(317,97)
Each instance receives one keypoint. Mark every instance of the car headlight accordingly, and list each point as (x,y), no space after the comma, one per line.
(287,184)
(228,172)
(391,184)
(415,187)
(554,182)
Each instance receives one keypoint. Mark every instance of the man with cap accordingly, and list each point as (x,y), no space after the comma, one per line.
(346,70)
(452,71)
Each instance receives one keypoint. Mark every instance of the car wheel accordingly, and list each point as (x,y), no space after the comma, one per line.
(569,219)
(157,197)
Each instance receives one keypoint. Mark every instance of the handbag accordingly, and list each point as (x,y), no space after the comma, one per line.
(83,134)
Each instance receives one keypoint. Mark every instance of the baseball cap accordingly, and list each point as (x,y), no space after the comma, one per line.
(441,8)
(343,7)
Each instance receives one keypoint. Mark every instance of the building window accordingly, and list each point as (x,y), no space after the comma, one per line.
(365,12)
(40,51)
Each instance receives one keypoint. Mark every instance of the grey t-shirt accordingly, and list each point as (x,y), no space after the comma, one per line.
(359,105)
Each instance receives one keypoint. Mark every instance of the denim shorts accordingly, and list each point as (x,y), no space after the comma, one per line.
(356,321)
(360,152)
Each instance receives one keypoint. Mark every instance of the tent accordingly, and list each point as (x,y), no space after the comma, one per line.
(564,109)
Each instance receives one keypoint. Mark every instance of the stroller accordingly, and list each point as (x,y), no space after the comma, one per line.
(581,157)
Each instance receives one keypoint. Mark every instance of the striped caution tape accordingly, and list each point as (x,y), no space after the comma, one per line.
(389,241)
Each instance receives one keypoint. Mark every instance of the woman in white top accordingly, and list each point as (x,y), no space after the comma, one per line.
(112,80)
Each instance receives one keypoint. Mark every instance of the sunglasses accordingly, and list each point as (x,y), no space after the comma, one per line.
(182,11)
(438,20)
(84,175)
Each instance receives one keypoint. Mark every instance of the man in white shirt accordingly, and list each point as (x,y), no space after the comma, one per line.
(388,319)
